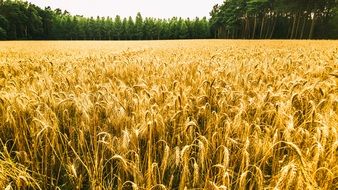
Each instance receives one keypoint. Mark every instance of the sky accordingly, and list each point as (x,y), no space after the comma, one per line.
(125,8)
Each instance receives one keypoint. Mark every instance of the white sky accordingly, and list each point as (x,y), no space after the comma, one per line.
(125,8)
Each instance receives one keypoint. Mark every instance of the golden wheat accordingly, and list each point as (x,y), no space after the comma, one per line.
(206,114)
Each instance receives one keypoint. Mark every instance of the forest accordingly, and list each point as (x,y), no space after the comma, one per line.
(276,19)
(234,19)
(22,20)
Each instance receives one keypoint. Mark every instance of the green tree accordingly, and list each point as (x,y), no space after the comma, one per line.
(98,28)
(184,33)
(124,32)
(34,26)
(130,29)
(47,21)
(109,28)
(165,29)
(149,29)
(139,26)
(205,28)
(158,28)
(117,27)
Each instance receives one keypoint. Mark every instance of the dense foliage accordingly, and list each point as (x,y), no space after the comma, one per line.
(296,19)
(265,19)
(22,20)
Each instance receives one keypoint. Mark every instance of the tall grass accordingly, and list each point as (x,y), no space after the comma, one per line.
(169,115)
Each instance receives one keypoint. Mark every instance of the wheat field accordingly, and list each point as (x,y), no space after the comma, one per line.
(207,114)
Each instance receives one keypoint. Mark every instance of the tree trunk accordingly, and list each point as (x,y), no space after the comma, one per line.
(248,33)
(268,28)
(246,26)
(303,28)
(262,27)
(26,33)
(296,35)
(293,26)
(289,28)
(219,32)
(254,27)
(312,26)
(273,26)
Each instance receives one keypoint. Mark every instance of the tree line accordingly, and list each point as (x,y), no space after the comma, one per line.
(266,19)
(246,19)
(20,20)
